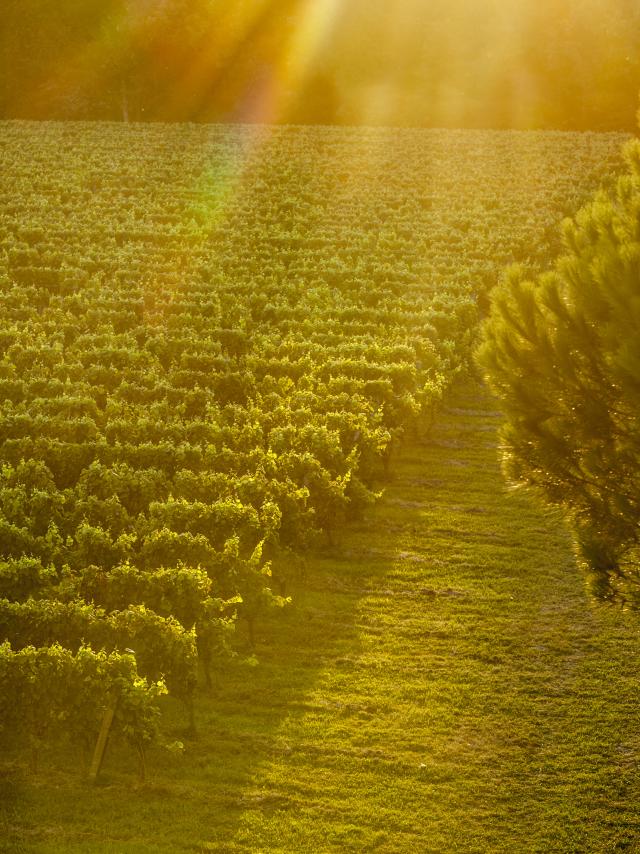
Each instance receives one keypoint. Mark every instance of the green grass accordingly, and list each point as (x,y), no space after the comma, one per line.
(442,682)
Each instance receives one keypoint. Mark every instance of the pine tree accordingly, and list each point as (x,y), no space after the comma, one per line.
(562,351)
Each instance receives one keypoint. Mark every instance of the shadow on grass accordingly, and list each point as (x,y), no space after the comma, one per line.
(289,739)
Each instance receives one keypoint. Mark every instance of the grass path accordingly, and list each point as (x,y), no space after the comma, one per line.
(442,683)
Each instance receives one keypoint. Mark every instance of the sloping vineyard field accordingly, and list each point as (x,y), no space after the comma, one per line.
(213,342)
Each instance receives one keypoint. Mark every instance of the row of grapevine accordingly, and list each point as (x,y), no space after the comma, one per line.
(212,341)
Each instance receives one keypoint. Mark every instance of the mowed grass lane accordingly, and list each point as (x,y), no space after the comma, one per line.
(442,682)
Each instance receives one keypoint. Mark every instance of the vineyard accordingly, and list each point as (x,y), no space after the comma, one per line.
(215,342)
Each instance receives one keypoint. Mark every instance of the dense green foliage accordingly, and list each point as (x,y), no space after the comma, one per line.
(212,342)
(563,353)
(51,693)
(442,63)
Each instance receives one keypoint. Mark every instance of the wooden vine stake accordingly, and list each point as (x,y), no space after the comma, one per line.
(101,743)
